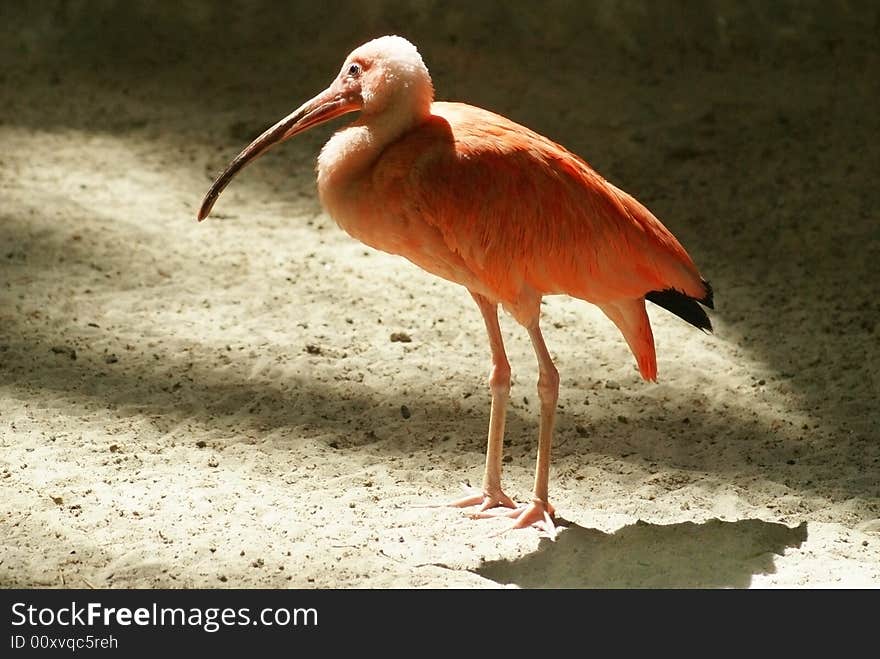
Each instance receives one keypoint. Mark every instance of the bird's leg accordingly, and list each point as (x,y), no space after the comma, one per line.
(539,512)
(548,392)
(492,495)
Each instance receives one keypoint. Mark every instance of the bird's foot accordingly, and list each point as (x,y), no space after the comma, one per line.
(537,513)
(485,499)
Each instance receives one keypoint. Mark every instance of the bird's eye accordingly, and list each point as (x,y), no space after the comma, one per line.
(354,70)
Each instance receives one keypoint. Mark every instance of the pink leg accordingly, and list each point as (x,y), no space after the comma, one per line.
(492,495)
(539,512)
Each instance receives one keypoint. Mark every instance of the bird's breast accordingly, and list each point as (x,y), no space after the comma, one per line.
(376,221)
(378,212)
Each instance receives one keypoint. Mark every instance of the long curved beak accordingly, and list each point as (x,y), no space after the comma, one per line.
(327,105)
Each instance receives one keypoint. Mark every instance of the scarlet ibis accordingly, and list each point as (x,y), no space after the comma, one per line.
(477,199)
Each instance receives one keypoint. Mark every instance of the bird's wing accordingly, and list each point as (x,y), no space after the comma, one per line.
(521,210)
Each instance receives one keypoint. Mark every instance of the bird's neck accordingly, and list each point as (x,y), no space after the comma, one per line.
(350,154)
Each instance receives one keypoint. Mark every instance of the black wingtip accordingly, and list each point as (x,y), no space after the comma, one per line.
(709,299)
(685,307)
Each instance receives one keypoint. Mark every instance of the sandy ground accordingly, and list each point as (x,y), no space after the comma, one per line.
(223,405)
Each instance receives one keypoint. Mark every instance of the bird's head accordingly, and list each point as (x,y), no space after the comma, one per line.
(385,76)
(386,73)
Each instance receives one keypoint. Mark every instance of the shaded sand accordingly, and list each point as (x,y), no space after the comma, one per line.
(223,405)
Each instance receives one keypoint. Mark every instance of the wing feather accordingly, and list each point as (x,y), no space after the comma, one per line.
(521,212)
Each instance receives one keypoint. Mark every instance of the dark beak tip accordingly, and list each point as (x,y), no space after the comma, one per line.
(205,209)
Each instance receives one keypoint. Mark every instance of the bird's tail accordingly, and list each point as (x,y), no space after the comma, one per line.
(686,307)
(632,321)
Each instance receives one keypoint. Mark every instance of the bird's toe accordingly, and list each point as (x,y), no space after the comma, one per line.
(486,499)
(537,514)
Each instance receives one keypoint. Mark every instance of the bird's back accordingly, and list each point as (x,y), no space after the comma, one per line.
(522,213)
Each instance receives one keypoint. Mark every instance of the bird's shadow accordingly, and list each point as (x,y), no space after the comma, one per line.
(711,554)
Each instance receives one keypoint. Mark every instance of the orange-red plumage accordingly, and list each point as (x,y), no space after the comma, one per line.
(477,199)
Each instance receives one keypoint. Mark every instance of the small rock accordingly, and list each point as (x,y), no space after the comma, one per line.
(400,337)
(313,349)
(110,359)
(64,350)
(404,412)
(611,384)
(201,443)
